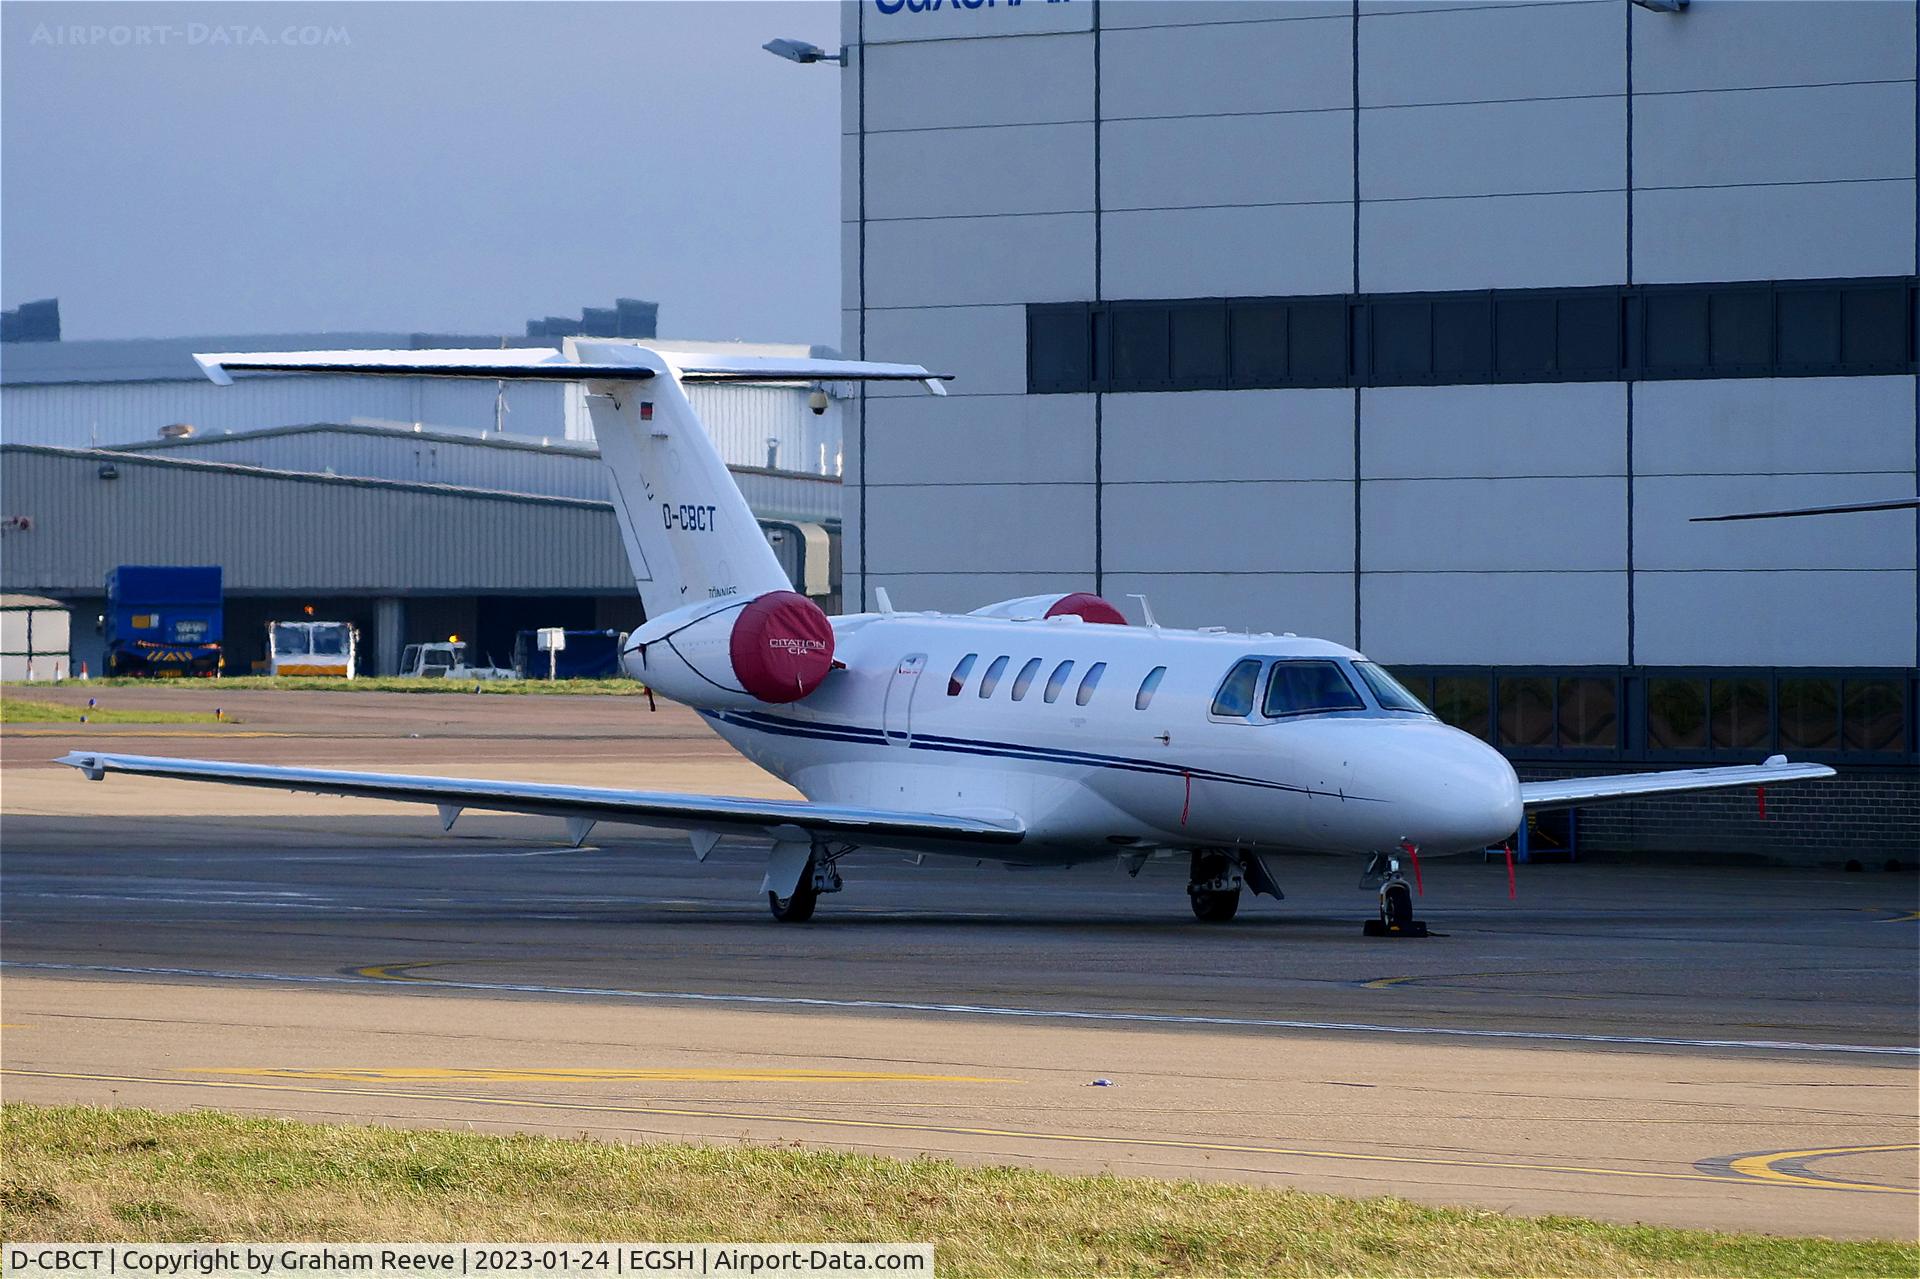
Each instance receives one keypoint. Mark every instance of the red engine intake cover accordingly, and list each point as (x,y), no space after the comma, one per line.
(782,647)
(1090,608)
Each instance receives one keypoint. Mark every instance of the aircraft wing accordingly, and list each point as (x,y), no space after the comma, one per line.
(581,806)
(1572,791)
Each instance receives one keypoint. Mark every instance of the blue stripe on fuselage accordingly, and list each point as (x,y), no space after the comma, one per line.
(759,721)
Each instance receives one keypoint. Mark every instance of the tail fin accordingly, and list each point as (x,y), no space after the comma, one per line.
(689,534)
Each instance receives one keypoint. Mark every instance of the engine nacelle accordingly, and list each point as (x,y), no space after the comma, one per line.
(770,650)
(1080,604)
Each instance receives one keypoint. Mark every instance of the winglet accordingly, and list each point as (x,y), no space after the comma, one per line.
(215,371)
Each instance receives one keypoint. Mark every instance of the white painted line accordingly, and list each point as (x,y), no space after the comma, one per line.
(974,1010)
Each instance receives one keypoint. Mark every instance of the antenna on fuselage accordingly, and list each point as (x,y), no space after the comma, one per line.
(883,599)
(1146,611)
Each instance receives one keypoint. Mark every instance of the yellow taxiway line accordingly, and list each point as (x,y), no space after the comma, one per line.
(883,1125)
(1762,1166)
(593,1074)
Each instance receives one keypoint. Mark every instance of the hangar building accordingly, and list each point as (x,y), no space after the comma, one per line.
(1425,327)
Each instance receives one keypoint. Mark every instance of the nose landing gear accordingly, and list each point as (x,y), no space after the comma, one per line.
(1214,889)
(1396,900)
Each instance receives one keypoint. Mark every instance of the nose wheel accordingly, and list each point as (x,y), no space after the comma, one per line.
(1396,901)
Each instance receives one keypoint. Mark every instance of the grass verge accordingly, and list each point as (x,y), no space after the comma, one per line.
(24,710)
(92,1174)
(373,684)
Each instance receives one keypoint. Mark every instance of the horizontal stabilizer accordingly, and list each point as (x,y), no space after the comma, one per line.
(611,362)
(886,828)
(1571,791)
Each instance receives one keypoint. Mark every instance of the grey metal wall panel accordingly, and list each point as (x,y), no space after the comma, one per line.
(1741,44)
(957,22)
(1256,526)
(1495,242)
(1298,158)
(1242,64)
(1318,604)
(990,261)
(1774,426)
(1829,133)
(274,534)
(1216,252)
(1498,148)
(1818,618)
(1423,432)
(1037,80)
(1497,619)
(1228,435)
(1774,232)
(983,347)
(1666,538)
(1535,524)
(1022,168)
(963,592)
(980,528)
(1028,439)
(1413,57)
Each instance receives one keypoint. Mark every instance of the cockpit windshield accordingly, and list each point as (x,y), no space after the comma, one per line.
(1388,691)
(330,641)
(290,641)
(1303,688)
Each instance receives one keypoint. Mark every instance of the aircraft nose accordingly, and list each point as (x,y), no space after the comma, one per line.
(1455,792)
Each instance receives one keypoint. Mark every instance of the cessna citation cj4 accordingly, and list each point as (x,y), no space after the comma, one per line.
(1038,732)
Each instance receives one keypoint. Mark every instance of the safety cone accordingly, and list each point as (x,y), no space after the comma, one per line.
(83,671)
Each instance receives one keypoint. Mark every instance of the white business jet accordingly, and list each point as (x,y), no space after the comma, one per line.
(1042,731)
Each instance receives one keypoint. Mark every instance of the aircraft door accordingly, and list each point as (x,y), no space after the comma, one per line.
(898,715)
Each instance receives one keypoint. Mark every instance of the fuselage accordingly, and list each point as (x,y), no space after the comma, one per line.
(1067,726)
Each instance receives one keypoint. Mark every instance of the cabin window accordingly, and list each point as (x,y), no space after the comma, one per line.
(1057,681)
(1235,698)
(1147,685)
(1303,688)
(1388,691)
(991,680)
(1091,682)
(958,680)
(1024,680)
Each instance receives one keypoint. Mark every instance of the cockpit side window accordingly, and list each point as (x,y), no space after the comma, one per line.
(1024,680)
(958,680)
(1058,680)
(1235,698)
(991,680)
(1300,688)
(1388,691)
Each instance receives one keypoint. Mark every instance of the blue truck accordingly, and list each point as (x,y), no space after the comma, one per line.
(164,620)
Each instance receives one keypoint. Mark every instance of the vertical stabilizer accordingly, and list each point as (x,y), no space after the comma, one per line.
(689,534)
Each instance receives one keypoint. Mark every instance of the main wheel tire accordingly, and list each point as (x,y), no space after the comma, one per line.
(1396,907)
(1215,907)
(797,909)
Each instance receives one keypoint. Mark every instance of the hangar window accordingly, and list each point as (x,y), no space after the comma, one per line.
(1526,712)
(1024,680)
(1750,328)
(1144,698)
(1142,349)
(1057,681)
(1872,717)
(1257,345)
(1809,714)
(1306,688)
(1059,348)
(1676,714)
(1589,713)
(1466,703)
(1198,336)
(1235,698)
(958,680)
(1740,713)
(991,680)
(1091,682)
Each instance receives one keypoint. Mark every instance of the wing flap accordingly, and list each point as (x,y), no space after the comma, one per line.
(1570,791)
(710,813)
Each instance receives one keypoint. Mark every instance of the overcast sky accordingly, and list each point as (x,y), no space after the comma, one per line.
(455,167)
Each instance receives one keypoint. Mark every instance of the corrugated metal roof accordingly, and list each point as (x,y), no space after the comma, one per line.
(491,462)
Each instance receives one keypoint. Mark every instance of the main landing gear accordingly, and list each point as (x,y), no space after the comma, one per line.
(1396,900)
(819,876)
(1214,889)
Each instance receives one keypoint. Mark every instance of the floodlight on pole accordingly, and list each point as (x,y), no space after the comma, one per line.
(802,52)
